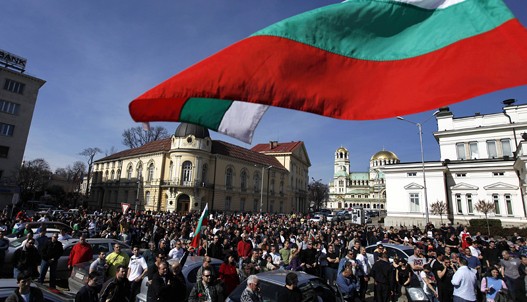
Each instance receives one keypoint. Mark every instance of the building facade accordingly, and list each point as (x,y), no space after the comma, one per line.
(189,169)
(364,189)
(479,161)
(18,96)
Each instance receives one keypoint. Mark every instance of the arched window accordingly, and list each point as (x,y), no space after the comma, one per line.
(243,180)
(150,172)
(147,197)
(186,172)
(140,171)
(171,171)
(228,178)
(106,176)
(112,175)
(118,174)
(256,182)
(129,173)
(281,187)
(204,174)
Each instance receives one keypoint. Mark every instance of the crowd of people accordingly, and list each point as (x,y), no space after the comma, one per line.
(447,263)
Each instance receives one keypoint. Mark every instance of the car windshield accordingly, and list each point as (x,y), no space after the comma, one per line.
(315,290)
(17,242)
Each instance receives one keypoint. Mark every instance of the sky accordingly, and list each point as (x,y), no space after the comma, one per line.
(97,56)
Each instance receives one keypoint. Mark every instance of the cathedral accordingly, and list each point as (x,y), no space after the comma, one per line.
(363,189)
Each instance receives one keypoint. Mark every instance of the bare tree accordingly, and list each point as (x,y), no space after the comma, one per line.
(33,177)
(89,153)
(318,193)
(112,150)
(137,137)
(485,207)
(439,208)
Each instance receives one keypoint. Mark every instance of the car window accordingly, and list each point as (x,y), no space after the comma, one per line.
(401,255)
(100,247)
(315,290)
(192,275)
(67,250)
(370,249)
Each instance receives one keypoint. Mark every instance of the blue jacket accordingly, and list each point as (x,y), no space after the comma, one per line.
(348,286)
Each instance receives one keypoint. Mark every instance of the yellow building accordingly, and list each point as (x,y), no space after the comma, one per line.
(184,172)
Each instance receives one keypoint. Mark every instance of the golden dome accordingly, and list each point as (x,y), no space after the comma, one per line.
(384,154)
(342,149)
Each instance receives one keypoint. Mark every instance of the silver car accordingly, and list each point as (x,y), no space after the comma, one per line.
(97,244)
(190,271)
(399,250)
(313,288)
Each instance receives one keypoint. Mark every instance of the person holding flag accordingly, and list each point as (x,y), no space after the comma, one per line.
(203,221)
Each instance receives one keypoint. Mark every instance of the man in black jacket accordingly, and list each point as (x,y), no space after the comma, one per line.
(116,289)
(90,291)
(51,253)
(165,287)
(382,274)
(25,291)
(26,258)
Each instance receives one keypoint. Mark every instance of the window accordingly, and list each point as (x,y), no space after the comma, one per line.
(461,174)
(9,107)
(129,173)
(460,149)
(281,187)
(4,151)
(272,186)
(341,183)
(140,172)
(171,171)
(186,172)
(498,173)
(496,200)
(506,147)
(243,181)
(6,129)
(508,204)
(150,172)
(458,203)
(281,206)
(228,178)
(14,86)
(256,182)
(411,174)
(491,149)
(255,206)
(473,147)
(470,207)
(271,207)
(227,203)
(414,202)
(112,175)
(204,174)
(242,204)
(147,197)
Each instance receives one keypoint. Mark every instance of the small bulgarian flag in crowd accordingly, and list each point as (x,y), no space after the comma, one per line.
(203,221)
(352,60)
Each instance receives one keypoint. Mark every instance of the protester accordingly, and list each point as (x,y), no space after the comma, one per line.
(381,273)
(204,290)
(27,259)
(137,270)
(464,282)
(51,252)
(90,291)
(81,252)
(348,284)
(116,289)
(229,274)
(25,292)
(115,259)
(252,292)
(290,292)
(509,271)
(492,285)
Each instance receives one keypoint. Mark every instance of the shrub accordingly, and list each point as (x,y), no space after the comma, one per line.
(483,223)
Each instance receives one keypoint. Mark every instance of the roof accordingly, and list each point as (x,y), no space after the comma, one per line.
(384,154)
(230,150)
(276,147)
(151,147)
(218,147)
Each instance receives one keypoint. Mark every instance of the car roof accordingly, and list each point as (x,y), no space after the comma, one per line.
(392,245)
(195,260)
(93,240)
(278,276)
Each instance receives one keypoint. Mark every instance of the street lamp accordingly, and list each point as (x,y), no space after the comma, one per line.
(137,195)
(420,129)
(261,188)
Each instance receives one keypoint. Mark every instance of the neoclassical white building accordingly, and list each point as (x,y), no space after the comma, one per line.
(481,159)
(364,189)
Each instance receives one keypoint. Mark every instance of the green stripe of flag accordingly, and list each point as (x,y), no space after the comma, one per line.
(383,30)
(205,112)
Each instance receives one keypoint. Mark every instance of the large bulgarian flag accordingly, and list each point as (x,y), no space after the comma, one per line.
(359,59)
(203,221)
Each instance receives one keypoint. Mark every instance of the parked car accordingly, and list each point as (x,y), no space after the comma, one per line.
(190,271)
(312,287)
(332,217)
(8,286)
(402,251)
(316,218)
(98,244)
(51,227)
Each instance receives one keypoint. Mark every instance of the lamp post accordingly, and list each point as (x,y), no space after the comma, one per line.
(261,188)
(420,129)
(137,195)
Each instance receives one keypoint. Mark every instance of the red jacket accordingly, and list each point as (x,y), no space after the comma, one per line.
(244,248)
(80,253)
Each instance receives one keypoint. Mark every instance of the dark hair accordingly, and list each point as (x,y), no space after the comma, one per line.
(119,267)
(93,275)
(291,278)
(463,261)
(23,275)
